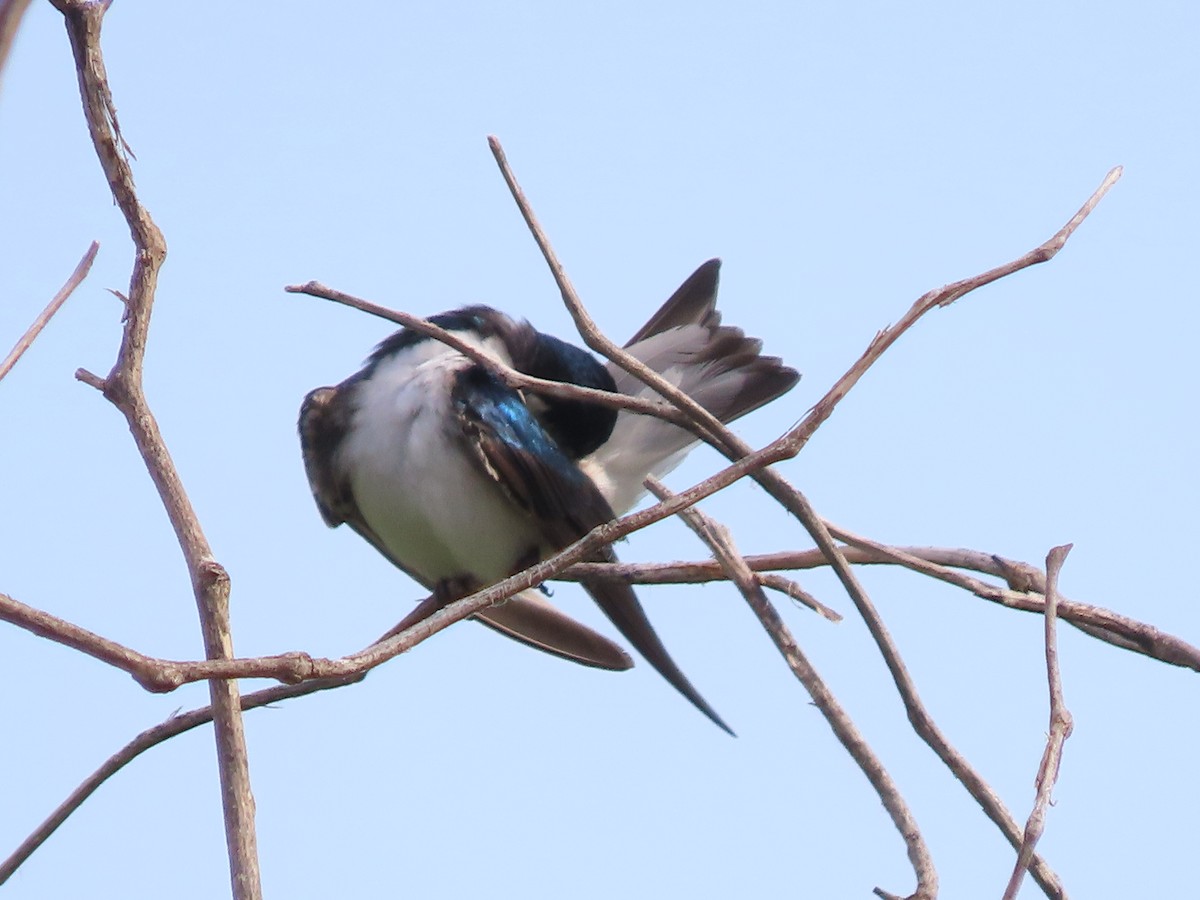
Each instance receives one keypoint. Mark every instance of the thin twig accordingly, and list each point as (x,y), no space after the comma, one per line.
(785,493)
(152,737)
(772,481)
(718,539)
(942,297)
(164,675)
(1060,728)
(993,807)
(123,387)
(509,375)
(52,307)
(1095,621)
(153,674)
(292,668)
(1023,592)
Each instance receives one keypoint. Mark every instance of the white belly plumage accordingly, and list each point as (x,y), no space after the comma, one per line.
(415,485)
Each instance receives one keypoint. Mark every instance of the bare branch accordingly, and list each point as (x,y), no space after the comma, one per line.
(165,675)
(794,501)
(1024,592)
(710,428)
(11,13)
(123,387)
(509,375)
(944,296)
(927,729)
(1103,624)
(1022,578)
(153,674)
(52,307)
(1060,728)
(719,540)
(152,737)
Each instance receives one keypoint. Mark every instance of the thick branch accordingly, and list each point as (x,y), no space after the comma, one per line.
(123,387)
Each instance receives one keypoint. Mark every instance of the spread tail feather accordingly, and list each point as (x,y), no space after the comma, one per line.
(715,364)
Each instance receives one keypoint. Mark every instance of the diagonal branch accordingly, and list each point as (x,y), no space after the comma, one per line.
(353,668)
(166,675)
(718,539)
(944,296)
(509,375)
(152,737)
(774,483)
(27,339)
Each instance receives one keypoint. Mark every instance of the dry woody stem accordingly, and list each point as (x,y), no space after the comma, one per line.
(1020,587)
(719,540)
(56,302)
(1060,727)
(123,388)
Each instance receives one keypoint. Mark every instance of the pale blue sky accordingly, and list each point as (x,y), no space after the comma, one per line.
(842,159)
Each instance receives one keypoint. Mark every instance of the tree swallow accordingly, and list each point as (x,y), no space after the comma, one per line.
(461,481)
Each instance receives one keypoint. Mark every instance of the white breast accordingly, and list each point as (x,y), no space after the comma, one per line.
(414,481)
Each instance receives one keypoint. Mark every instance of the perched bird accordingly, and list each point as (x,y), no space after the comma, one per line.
(461,481)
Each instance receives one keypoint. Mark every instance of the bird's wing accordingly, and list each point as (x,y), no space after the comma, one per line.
(324,419)
(514,450)
(526,617)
